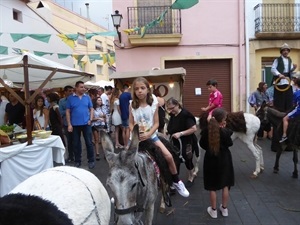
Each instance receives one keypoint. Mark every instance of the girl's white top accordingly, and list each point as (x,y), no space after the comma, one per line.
(98,113)
(144,116)
(39,118)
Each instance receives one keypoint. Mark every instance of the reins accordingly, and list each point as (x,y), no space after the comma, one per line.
(135,208)
(139,173)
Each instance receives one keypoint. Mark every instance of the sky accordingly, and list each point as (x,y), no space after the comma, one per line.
(99,10)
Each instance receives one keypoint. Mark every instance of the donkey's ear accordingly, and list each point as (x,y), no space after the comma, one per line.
(106,142)
(108,147)
(134,139)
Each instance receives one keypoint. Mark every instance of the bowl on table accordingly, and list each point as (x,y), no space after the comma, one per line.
(44,134)
(36,132)
(22,138)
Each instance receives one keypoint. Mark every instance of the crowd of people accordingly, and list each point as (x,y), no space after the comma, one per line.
(81,112)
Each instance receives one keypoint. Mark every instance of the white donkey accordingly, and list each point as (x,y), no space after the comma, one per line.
(77,193)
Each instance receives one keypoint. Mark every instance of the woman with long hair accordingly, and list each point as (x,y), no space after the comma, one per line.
(218,170)
(98,123)
(40,114)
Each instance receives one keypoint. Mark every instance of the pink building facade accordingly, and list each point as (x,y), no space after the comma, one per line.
(207,40)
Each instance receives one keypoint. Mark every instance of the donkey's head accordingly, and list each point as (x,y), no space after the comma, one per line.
(268,114)
(123,179)
(261,112)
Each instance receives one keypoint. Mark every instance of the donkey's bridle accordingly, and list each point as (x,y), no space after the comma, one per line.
(135,208)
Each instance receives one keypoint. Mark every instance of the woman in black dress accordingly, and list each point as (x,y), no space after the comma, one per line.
(182,125)
(218,170)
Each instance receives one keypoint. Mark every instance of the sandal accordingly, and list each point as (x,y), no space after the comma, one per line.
(97,157)
(119,146)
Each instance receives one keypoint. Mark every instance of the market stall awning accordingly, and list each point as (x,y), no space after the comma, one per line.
(34,72)
(39,69)
(155,75)
(100,83)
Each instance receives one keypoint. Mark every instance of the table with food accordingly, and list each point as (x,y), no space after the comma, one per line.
(18,160)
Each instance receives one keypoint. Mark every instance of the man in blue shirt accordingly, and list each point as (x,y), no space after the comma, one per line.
(79,114)
(68,90)
(124,99)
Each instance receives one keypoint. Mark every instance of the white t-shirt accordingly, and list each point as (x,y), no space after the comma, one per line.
(144,116)
(105,101)
(3,104)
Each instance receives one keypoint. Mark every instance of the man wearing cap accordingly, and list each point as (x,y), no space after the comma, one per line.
(282,67)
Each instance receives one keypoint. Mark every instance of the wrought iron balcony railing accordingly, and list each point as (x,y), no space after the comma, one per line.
(277,18)
(141,16)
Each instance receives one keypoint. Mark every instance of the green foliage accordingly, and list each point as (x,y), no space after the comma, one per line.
(7,128)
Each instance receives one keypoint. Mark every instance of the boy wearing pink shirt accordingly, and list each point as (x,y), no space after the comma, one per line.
(215,98)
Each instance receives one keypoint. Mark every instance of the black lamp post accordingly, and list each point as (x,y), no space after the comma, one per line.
(116,18)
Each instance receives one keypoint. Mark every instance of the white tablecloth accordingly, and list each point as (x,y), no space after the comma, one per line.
(18,162)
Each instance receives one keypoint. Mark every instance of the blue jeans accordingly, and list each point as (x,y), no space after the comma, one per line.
(87,135)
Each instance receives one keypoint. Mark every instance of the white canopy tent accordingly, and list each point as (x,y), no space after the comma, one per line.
(39,69)
(100,83)
(33,72)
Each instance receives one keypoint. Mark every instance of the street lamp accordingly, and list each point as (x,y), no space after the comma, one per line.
(116,18)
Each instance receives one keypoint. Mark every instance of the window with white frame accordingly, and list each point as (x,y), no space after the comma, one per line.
(17,15)
(99,45)
(99,69)
(81,39)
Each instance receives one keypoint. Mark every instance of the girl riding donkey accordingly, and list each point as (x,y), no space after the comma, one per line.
(294,113)
(144,112)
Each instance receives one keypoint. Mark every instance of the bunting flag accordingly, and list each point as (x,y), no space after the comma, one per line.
(88,36)
(128,31)
(178,4)
(111,59)
(108,57)
(93,57)
(63,56)
(184,4)
(104,57)
(3,50)
(40,37)
(42,53)
(69,39)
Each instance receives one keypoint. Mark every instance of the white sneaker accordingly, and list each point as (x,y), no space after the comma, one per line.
(212,213)
(224,212)
(181,189)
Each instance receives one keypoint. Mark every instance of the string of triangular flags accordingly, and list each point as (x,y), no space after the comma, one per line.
(69,39)
(106,57)
(178,4)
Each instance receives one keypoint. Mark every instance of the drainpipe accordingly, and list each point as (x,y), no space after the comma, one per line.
(247,58)
(240,23)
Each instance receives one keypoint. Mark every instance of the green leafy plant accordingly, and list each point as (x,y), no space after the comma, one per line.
(7,128)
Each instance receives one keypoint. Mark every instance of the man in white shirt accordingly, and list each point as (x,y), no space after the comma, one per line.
(282,67)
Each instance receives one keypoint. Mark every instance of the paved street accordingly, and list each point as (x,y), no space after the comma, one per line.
(271,199)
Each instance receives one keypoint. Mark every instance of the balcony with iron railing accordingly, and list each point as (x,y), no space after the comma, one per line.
(277,21)
(167,32)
